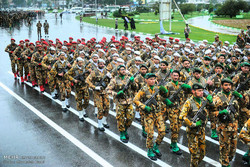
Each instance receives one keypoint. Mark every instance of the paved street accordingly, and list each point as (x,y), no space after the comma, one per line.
(35,132)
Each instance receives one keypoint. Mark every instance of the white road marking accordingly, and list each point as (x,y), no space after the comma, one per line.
(110,133)
(71,138)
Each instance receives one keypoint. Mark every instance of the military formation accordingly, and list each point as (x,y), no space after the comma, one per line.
(10,19)
(151,81)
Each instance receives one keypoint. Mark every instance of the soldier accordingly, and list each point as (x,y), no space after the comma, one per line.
(185,73)
(36,60)
(227,120)
(248,34)
(124,98)
(197,78)
(187,31)
(195,130)
(46,28)
(28,55)
(140,81)
(78,75)
(175,110)
(10,49)
(217,41)
(155,67)
(153,116)
(175,63)
(20,59)
(48,62)
(58,71)
(39,28)
(244,112)
(245,138)
(241,39)
(206,67)
(98,81)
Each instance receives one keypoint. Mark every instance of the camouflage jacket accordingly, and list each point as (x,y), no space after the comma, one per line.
(79,74)
(245,133)
(10,49)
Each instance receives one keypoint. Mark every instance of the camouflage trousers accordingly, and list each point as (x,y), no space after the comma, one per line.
(175,123)
(196,145)
(40,75)
(102,104)
(46,31)
(154,119)
(124,116)
(64,88)
(51,82)
(13,64)
(213,120)
(142,114)
(32,72)
(82,93)
(164,112)
(228,145)
(244,115)
(22,66)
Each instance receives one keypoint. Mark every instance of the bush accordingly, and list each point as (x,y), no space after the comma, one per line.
(142,9)
(187,8)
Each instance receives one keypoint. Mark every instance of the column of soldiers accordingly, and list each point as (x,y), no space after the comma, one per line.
(12,18)
(154,81)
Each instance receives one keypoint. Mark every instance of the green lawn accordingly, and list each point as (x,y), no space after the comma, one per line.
(197,34)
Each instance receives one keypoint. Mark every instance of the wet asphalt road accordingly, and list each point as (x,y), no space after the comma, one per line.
(34,131)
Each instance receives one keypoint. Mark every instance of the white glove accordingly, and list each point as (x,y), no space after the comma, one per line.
(214,58)
(198,59)
(109,75)
(98,88)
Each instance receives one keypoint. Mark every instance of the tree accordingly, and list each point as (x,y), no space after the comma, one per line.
(19,3)
(232,8)
(187,8)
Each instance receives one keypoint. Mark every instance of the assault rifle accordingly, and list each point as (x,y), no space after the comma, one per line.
(102,83)
(200,115)
(125,88)
(81,77)
(230,108)
(174,95)
(152,100)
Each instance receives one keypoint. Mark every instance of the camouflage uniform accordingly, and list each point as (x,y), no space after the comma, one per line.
(228,130)
(154,118)
(36,60)
(201,81)
(245,138)
(101,97)
(29,53)
(21,61)
(10,49)
(244,111)
(124,110)
(205,70)
(81,88)
(62,81)
(195,135)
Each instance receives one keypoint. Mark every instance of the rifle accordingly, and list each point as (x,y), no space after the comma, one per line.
(152,100)
(199,115)
(102,82)
(80,77)
(174,95)
(230,108)
(125,88)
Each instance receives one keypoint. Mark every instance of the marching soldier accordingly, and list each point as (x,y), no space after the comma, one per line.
(20,59)
(195,130)
(174,112)
(241,39)
(48,62)
(58,71)
(10,49)
(46,28)
(78,75)
(36,60)
(227,120)
(28,55)
(244,111)
(39,29)
(124,99)
(152,113)
(98,81)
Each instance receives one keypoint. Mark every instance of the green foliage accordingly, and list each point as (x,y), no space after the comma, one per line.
(142,9)
(232,8)
(187,8)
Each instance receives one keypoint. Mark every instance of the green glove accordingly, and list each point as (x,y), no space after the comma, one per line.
(163,89)
(210,98)
(237,94)
(132,79)
(171,70)
(198,123)
(224,112)
(186,86)
(120,93)
(147,108)
(168,102)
